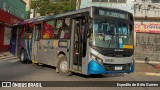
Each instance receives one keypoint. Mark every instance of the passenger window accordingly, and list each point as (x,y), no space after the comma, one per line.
(62,28)
(27,32)
(48,29)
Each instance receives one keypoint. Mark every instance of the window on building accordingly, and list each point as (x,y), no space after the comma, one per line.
(95,0)
(0,4)
(155,1)
(4,5)
(104,0)
(22,15)
(16,12)
(19,13)
(122,1)
(113,0)
(9,8)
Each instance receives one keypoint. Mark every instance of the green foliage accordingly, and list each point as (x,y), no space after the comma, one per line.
(47,7)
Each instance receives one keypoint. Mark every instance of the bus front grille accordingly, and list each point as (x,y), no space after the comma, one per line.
(111,52)
(111,67)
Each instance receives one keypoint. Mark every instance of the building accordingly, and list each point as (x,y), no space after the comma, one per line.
(28,8)
(10,13)
(147,24)
(127,5)
(147,28)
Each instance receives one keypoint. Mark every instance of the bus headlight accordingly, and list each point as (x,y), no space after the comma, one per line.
(97,59)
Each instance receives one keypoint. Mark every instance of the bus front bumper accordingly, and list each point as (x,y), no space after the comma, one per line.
(96,68)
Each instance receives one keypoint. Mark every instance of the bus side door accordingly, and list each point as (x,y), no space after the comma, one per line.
(78,42)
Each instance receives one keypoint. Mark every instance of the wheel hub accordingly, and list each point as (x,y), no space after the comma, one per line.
(64,66)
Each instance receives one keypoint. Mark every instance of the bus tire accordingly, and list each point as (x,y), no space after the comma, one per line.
(62,66)
(22,56)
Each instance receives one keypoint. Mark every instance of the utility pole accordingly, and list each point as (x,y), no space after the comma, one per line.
(35,8)
(78,3)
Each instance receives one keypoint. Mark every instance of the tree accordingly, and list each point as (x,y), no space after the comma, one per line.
(47,7)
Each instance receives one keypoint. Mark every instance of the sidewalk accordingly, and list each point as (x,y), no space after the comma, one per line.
(147,69)
(5,54)
(144,67)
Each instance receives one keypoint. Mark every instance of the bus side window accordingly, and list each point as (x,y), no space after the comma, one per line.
(62,28)
(58,24)
(48,29)
(27,32)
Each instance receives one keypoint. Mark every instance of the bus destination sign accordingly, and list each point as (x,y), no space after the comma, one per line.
(112,14)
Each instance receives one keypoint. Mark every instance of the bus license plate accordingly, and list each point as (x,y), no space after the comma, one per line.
(118,67)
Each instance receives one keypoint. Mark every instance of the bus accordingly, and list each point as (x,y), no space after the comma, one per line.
(92,40)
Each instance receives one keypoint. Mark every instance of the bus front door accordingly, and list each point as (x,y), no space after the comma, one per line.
(76,45)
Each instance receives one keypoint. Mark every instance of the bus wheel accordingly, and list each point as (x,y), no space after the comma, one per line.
(22,57)
(62,66)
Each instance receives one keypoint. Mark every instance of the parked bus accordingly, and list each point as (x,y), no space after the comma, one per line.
(93,40)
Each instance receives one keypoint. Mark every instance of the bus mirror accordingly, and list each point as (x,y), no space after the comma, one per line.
(89,29)
(90,25)
(89,33)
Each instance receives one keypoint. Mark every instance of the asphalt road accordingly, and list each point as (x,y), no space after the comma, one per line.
(13,70)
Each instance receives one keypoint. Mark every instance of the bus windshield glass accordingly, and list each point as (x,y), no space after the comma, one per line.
(111,34)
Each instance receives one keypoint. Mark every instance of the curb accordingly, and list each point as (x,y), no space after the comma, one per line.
(148,73)
(150,62)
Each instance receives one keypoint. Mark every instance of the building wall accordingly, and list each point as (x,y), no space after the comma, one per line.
(11,12)
(3,47)
(147,28)
(149,8)
(14,7)
(147,47)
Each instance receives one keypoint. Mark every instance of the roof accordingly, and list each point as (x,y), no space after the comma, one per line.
(83,10)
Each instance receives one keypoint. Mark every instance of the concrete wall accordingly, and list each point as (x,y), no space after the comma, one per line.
(147,8)
(147,46)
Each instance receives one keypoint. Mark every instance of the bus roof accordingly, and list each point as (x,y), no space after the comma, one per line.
(45,18)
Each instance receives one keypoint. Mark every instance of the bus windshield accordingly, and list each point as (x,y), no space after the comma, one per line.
(111,34)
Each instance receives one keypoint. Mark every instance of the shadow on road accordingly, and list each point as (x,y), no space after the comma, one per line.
(87,76)
(99,75)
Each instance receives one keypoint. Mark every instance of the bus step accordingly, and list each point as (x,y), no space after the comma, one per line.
(75,67)
(76,71)
(34,61)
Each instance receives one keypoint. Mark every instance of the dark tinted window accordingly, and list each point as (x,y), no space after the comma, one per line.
(104,0)
(113,0)
(95,0)
(121,0)
(155,1)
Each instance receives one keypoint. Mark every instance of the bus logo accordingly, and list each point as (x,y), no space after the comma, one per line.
(6,84)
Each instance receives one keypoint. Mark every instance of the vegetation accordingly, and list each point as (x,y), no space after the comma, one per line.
(50,7)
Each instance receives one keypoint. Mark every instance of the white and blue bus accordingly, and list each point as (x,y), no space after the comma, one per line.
(93,40)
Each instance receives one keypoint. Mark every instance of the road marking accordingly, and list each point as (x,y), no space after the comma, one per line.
(9,58)
(14,60)
(6,57)
(152,74)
